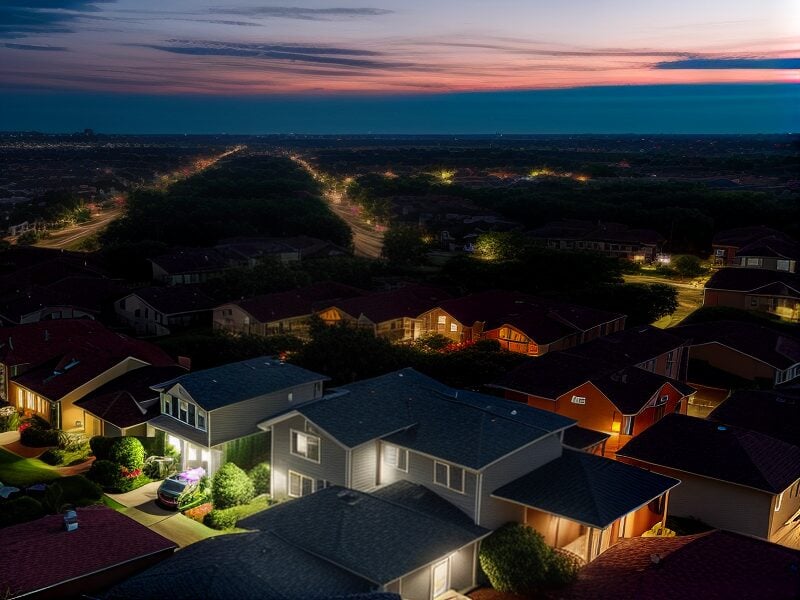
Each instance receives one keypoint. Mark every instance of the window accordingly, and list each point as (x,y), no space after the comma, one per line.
(719,252)
(752,262)
(201,419)
(449,476)
(192,411)
(627,425)
(167,408)
(396,457)
(305,445)
(453,327)
(183,412)
(290,396)
(442,320)
(753,301)
(300,485)
(783,265)
(578,400)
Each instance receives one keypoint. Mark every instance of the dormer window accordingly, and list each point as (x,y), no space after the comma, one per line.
(166,408)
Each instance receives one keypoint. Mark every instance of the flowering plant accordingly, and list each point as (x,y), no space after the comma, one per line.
(130,473)
(23,426)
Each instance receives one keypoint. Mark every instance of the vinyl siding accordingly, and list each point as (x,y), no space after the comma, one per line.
(333,458)
(240,419)
(420,470)
(417,584)
(495,512)
(364,466)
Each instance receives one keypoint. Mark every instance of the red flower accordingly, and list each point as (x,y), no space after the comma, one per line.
(24,426)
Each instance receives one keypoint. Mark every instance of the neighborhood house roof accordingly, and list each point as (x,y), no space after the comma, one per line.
(248,566)
(189,260)
(412,410)
(377,539)
(45,555)
(175,300)
(586,488)
(239,381)
(294,303)
(124,401)
(757,281)
(724,452)
(409,301)
(581,438)
(775,413)
(716,565)
(741,236)
(768,345)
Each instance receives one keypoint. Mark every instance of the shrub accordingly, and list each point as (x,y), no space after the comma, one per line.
(20,510)
(198,513)
(77,489)
(515,558)
(563,568)
(38,437)
(105,472)
(231,487)
(126,484)
(101,446)
(53,456)
(260,478)
(71,442)
(128,452)
(222,518)
(9,421)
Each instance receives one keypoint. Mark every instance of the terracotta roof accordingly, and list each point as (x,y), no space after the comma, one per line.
(295,303)
(409,301)
(713,565)
(761,281)
(724,452)
(46,555)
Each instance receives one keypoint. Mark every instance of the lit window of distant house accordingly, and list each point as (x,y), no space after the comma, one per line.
(449,476)
(453,327)
(300,485)
(783,265)
(305,445)
(442,320)
(752,262)
(396,457)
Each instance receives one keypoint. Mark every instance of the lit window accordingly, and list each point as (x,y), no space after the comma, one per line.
(396,457)
(442,319)
(453,327)
(449,476)
(753,262)
(300,485)
(783,265)
(305,445)
(578,400)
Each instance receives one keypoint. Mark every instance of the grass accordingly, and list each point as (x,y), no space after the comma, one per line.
(111,503)
(22,472)
(256,505)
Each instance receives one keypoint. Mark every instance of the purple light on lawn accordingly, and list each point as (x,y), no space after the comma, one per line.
(193,475)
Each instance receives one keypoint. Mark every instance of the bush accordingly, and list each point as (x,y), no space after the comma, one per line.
(221,518)
(71,442)
(259,475)
(563,568)
(127,484)
(53,456)
(515,558)
(77,489)
(10,421)
(198,513)
(106,473)
(231,487)
(38,437)
(128,452)
(20,510)
(101,446)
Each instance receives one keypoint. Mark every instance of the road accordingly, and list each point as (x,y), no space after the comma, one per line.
(690,296)
(367,237)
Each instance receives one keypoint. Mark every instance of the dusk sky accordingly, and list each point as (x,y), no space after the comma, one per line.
(236,66)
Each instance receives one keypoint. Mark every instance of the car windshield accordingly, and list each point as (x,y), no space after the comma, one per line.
(171,485)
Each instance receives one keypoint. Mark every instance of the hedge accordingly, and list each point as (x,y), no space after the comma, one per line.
(247,452)
(105,472)
(222,518)
(38,437)
(231,487)
(127,452)
(260,477)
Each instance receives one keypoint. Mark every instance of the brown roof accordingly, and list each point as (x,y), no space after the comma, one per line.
(295,303)
(713,565)
(409,301)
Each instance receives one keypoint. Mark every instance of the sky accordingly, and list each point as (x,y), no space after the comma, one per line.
(416,66)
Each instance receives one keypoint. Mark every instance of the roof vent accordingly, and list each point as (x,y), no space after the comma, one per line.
(514,412)
(655,559)
(722,428)
(349,497)
(70,520)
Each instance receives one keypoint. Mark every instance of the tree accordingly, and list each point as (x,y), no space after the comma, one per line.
(644,303)
(403,245)
(688,266)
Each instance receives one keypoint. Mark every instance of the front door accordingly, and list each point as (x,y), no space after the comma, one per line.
(441,578)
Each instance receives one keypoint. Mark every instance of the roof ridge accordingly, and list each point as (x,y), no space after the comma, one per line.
(601,518)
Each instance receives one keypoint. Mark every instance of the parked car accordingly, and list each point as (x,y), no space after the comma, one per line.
(176,487)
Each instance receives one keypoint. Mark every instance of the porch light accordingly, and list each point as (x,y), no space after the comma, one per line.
(615,426)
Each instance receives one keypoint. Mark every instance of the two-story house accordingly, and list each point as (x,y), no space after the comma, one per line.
(727,244)
(760,290)
(212,416)
(467,448)
(155,311)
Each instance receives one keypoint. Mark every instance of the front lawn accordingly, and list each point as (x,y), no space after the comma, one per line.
(22,472)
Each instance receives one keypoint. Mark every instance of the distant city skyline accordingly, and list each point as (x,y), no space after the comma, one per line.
(675,67)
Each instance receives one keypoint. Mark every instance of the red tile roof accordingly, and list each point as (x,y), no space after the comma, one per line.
(40,554)
(717,564)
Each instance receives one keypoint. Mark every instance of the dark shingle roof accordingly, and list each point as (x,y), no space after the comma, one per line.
(630,389)
(414,411)
(716,565)
(409,301)
(235,382)
(246,566)
(631,346)
(773,347)
(587,488)
(45,555)
(295,303)
(188,260)
(755,280)
(723,452)
(379,540)
(175,300)
(581,438)
(775,413)
(745,235)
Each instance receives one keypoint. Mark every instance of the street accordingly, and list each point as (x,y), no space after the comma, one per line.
(690,297)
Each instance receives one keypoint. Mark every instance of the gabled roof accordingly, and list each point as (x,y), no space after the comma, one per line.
(772,247)
(775,413)
(239,381)
(295,303)
(768,345)
(247,566)
(589,230)
(762,281)
(124,401)
(724,452)
(412,410)
(45,555)
(175,299)
(632,346)
(374,538)
(408,301)
(716,565)
(631,388)
(581,438)
(742,236)
(191,260)
(586,488)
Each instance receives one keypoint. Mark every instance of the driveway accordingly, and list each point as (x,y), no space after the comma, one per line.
(140,505)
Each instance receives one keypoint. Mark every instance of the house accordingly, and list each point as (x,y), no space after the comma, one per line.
(50,562)
(774,292)
(775,413)
(726,245)
(612,239)
(747,351)
(47,366)
(246,566)
(124,405)
(280,312)
(775,253)
(188,265)
(519,322)
(460,445)
(715,564)
(611,387)
(731,477)
(212,416)
(393,315)
(156,311)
